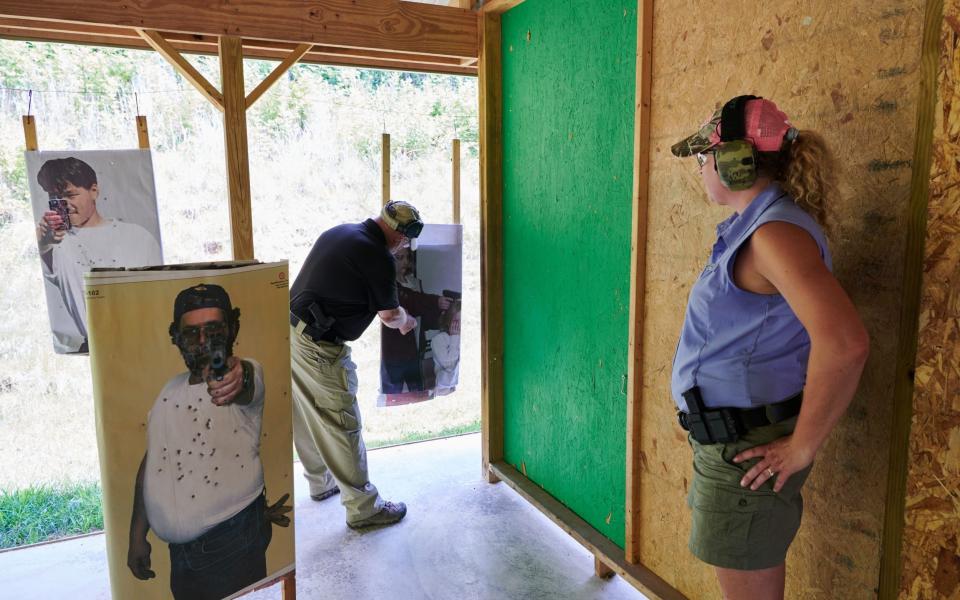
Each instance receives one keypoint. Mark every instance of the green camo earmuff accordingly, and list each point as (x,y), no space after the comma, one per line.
(735,159)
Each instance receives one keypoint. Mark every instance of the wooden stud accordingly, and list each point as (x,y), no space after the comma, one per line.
(638,269)
(277,72)
(456,182)
(30,133)
(289,586)
(385,169)
(235,144)
(892,542)
(599,545)
(143,133)
(166,50)
(393,26)
(491,242)
(601,570)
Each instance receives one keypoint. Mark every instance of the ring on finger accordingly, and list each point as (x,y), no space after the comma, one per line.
(770,472)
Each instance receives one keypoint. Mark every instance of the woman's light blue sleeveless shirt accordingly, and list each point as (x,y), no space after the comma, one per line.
(743,349)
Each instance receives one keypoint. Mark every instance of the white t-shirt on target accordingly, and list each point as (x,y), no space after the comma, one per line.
(203,460)
(111,244)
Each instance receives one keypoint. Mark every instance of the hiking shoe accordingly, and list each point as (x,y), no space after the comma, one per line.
(327,494)
(391,513)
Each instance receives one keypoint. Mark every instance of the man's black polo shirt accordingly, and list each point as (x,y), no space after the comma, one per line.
(351,274)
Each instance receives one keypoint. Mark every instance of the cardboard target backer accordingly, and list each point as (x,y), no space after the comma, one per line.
(191,371)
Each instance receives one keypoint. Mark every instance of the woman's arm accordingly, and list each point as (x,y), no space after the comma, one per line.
(786,256)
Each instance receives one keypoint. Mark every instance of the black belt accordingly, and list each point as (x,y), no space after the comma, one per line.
(313,333)
(760,416)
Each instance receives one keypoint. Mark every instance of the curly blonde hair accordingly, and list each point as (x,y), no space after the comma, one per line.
(807,170)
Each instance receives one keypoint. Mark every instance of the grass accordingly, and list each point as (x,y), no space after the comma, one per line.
(419,436)
(46,512)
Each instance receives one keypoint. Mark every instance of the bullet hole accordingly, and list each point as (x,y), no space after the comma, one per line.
(179,478)
(203,443)
(212,451)
(201,455)
(190,452)
(215,484)
(190,472)
(216,468)
(194,419)
(164,399)
(207,424)
(234,430)
(238,456)
(178,406)
(193,495)
(158,470)
(164,449)
(178,454)
(241,466)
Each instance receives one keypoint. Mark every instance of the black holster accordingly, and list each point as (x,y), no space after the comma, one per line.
(709,425)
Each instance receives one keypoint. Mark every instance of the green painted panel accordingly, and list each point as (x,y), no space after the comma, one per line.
(568,92)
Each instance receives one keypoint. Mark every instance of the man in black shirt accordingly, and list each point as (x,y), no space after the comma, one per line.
(349,278)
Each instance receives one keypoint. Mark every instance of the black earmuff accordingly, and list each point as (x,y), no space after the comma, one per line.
(735,159)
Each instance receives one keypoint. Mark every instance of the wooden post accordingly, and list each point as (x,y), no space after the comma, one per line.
(600,569)
(30,133)
(235,143)
(456,181)
(910,305)
(491,242)
(143,134)
(385,169)
(638,272)
(290,586)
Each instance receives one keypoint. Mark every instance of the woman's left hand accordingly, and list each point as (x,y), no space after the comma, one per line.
(780,458)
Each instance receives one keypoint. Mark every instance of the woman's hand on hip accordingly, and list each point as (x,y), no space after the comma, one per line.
(780,458)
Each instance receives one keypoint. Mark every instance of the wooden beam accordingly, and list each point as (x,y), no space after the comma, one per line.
(638,272)
(385,168)
(498,7)
(30,133)
(373,24)
(491,242)
(277,72)
(599,545)
(893,522)
(125,37)
(235,143)
(143,133)
(163,47)
(456,182)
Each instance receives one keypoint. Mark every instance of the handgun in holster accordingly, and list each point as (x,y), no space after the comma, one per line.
(321,321)
(709,425)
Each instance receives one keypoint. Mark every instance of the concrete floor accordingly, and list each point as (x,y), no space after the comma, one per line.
(462,539)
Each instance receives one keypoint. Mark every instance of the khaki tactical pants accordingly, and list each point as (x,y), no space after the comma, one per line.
(326,424)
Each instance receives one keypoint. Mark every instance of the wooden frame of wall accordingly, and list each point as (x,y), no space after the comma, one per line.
(609,558)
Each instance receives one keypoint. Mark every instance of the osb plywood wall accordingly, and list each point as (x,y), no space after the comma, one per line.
(849,70)
(931,542)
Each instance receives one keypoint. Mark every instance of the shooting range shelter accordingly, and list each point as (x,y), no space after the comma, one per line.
(593,233)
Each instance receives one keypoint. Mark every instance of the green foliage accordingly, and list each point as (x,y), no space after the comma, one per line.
(41,513)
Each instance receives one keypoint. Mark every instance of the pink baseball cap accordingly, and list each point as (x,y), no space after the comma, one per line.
(766,127)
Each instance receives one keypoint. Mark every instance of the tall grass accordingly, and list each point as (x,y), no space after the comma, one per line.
(314,144)
(40,513)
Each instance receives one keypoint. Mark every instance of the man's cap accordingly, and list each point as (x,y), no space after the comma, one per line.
(766,128)
(204,295)
(403,217)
